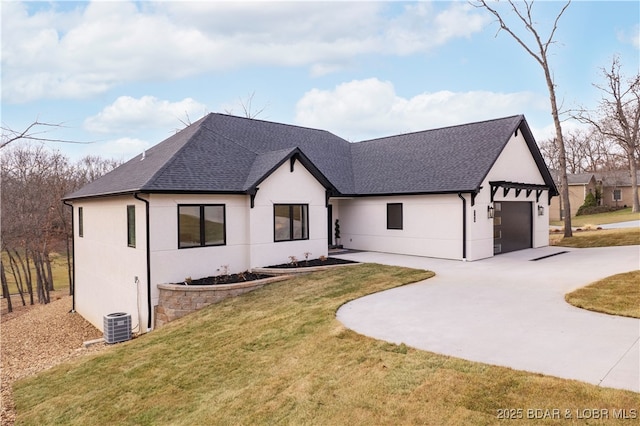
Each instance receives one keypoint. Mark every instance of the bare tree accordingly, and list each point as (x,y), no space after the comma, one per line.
(247,107)
(618,117)
(34,222)
(539,50)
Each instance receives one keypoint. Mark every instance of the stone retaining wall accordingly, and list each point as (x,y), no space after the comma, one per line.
(177,300)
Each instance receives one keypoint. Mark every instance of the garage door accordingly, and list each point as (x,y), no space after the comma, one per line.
(512,228)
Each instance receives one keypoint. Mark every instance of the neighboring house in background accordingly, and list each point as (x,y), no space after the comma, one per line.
(614,188)
(580,185)
(230,194)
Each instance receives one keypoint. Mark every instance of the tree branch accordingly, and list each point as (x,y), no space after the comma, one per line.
(9,135)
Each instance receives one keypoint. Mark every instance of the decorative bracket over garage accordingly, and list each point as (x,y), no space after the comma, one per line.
(519,187)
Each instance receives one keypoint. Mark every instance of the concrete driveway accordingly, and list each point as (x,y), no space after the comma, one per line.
(509,311)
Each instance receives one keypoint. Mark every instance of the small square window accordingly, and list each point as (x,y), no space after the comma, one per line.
(394,216)
(290,222)
(201,225)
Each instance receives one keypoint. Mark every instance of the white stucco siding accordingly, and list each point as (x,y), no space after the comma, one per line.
(515,164)
(105,267)
(432,225)
(286,187)
(170,264)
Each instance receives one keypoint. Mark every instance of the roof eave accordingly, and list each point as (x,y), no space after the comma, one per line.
(295,154)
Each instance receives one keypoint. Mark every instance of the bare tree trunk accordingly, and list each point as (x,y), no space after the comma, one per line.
(26,269)
(69,266)
(48,270)
(17,276)
(564,183)
(539,52)
(633,169)
(5,287)
(41,279)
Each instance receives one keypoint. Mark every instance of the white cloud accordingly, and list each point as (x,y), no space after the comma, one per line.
(631,37)
(85,51)
(129,114)
(363,109)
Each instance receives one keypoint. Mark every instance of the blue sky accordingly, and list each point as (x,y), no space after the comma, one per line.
(125,75)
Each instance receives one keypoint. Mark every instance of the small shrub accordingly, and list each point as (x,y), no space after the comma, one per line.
(590,200)
(583,211)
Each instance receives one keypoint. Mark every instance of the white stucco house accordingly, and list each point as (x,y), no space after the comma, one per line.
(235,193)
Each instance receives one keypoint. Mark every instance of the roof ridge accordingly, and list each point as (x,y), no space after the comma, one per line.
(441,128)
(276,123)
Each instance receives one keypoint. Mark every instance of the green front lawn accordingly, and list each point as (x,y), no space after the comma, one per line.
(623,215)
(615,295)
(279,356)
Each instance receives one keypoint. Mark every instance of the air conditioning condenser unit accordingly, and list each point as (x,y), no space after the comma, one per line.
(117,327)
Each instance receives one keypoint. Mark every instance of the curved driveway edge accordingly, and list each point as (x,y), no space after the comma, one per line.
(510,311)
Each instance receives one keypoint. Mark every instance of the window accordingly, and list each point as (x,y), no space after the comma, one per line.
(290,222)
(617,195)
(80,223)
(201,225)
(394,216)
(131,226)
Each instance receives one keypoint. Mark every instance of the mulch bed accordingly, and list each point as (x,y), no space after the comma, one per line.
(250,276)
(313,262)
(227,279)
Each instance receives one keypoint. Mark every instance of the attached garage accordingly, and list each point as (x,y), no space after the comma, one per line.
(512,226)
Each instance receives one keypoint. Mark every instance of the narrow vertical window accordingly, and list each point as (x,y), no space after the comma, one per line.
(617,195)
(80,223)
(394,216)
(131,226)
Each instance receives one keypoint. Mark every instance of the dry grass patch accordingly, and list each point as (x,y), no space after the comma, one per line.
(615,295)
(598,238)
(623,215)
(279,356)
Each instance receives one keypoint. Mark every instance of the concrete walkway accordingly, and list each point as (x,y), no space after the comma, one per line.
(618,225)
(510,311)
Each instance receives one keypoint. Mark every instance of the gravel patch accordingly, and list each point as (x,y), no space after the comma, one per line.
(35,338)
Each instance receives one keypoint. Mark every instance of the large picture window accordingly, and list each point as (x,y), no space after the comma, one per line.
(394,216)
(291,222)
(201,225)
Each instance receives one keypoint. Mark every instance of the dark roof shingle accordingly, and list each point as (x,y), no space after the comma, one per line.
(222,153)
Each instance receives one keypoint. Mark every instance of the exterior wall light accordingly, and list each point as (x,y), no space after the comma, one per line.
(540,210)
(490,212)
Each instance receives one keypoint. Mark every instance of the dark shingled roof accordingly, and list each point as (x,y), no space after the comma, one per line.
(450,159)
(221,153)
